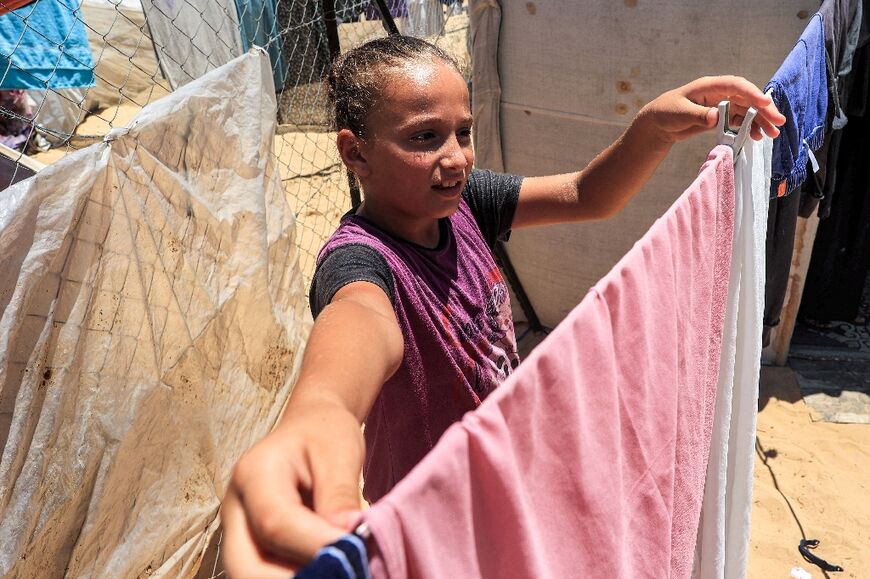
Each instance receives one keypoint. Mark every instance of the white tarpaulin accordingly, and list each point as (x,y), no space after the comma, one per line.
(152,318)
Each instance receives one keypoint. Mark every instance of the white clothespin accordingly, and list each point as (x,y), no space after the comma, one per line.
(726,136)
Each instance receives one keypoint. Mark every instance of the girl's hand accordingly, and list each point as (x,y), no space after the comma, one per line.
(292,493)
(692,109)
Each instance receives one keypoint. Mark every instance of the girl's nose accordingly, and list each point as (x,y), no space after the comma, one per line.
(454,155)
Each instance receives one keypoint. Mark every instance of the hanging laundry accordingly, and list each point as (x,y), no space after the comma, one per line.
(348,10)
(44,45)
(723,539)
(592,456)
(306,48)
(259,26)
(781,227)
(857,35)
(842,21)
(841,252)
(799,89)
(192,37)
(454,7)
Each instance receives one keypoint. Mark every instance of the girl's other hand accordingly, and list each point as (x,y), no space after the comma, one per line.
(692,109)
(292,493)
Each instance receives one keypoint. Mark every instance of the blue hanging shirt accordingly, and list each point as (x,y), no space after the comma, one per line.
(800,92)
(44,45)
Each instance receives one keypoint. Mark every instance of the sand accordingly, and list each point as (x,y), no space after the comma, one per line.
(823,474)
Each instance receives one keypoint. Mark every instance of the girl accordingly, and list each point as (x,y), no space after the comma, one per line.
(413,323)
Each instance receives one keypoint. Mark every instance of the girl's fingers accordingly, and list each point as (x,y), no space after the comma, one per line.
(736,121)
(734,88)
(282,524)
(764,121)
(755,132)
(764,124)
(740,92)
(772,115)
(240,555)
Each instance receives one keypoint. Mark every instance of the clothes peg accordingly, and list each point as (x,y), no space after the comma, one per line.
(725,135)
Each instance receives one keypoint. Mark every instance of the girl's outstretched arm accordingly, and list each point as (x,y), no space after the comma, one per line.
(298,488)
(609,182)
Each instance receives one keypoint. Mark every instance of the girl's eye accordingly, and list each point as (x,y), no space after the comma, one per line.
(465,133)
(423,137)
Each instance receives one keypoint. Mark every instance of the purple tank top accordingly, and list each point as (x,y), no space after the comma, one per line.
(453,307)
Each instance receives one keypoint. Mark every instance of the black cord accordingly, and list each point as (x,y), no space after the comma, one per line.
(805,544)
(804,548)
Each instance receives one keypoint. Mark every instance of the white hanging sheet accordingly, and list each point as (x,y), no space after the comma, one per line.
(723,536)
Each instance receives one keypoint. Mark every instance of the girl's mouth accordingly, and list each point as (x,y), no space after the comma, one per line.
(449,188)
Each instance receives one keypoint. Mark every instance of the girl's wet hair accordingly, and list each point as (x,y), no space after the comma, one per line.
(357,77)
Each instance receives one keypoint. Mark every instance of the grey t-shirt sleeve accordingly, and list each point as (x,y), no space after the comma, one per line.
(492,198)
(347,264)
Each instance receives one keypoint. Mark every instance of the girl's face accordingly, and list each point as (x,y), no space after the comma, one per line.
(418,148)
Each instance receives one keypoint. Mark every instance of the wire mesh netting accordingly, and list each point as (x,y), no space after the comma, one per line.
(71,72)
(75,73)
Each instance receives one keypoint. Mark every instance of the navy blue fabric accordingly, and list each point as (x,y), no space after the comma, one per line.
(347,558)
(800,91)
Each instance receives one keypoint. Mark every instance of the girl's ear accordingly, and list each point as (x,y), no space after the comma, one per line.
(350,149)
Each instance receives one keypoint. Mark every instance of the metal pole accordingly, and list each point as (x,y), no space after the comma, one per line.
(386,17)
(331,29)
(510,273)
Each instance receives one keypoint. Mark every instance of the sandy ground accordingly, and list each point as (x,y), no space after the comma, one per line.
(811,478)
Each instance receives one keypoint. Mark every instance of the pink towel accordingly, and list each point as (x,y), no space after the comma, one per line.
(590,459)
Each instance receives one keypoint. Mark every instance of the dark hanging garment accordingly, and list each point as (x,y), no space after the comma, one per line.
(800,91)
(849,91)
(844,29)
(781,224)
(305,46)
(841,253)
(842,22)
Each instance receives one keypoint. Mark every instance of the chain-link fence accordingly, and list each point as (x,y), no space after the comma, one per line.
(71,72)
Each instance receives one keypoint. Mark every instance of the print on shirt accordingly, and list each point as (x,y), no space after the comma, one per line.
(485,341)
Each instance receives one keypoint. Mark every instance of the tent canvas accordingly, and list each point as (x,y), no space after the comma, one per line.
(571,79)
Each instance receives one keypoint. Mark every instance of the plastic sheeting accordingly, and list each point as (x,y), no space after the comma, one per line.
(152,317)
(573,76)
(58,113)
